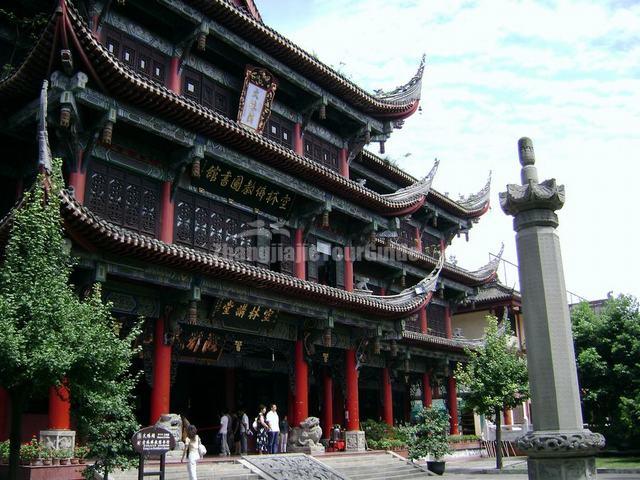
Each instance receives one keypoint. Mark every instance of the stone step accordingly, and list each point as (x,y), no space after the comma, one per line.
(206,471)
(375,466)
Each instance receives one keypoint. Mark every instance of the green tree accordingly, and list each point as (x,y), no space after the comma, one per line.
(495,377)
(607,352)
(48,334)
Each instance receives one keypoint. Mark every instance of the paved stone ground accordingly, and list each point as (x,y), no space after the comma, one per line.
(489,476)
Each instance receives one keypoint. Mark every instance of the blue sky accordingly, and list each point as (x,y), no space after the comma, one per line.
(565,73)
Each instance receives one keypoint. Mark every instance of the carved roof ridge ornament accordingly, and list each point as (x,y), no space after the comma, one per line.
(422,289)
(477,200)
(410,91)
(491,267)
(416,190)
(531,195)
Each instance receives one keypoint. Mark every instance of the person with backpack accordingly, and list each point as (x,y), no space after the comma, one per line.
(194,450)
(262,431)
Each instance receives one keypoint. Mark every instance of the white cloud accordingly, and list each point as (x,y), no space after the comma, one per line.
(564,73)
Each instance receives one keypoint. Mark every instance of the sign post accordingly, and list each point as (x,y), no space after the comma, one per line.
(152,442)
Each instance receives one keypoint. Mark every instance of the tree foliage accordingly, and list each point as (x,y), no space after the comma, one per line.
(495,376)
(49,335)
(429,436)
(608,352)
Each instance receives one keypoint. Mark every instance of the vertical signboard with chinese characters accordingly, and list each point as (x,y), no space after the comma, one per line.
(256,98)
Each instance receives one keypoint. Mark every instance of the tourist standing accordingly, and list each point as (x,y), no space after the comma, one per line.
(224,430)
(274,428)
(284,434)
(244,431)
(192,449)
(262,429)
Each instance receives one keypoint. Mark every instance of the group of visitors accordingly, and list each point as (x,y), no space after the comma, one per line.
(234,429)
(272,433)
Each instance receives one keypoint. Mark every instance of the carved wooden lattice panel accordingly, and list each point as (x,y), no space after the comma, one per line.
(208,225)
(202,89)
(435,320)
(123,198)
(321,151)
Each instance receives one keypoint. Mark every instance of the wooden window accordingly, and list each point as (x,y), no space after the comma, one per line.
(207,92)
(126,199)
(279,130)
(320,151)
(144,60)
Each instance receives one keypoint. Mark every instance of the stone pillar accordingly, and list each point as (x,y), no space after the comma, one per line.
(161,392)
(4,414)
(301,393)
(452,400)
(327,404)
(354,437)
(387,398)
(166,216)
(427,393)
(559,447)
(343,162)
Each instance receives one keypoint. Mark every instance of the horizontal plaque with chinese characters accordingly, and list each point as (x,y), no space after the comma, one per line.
(243,315)
(256,98)
(244,188)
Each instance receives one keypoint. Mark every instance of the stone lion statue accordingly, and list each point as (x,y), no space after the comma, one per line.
(173,423)
(308,434)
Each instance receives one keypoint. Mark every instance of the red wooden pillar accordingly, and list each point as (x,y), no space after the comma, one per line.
(327,419)
(78,179)
(161,393)
(508,416)
(351,377)
(300,265)
(348,270)
(343,162)
(447,322)
(453,406)
(302,385)
(5,401)
(422,314)
(59,408)
(418,242)
(387,398)
(427,393)
(166,218)
(298,146)
(173,78)
(230,388)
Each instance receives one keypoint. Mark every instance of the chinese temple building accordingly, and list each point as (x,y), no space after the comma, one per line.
(219,187)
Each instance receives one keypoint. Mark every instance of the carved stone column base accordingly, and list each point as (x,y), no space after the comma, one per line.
(355,441)
(58,439)
(566,468)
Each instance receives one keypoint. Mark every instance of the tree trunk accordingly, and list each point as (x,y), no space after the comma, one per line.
(498,440)
(17,405)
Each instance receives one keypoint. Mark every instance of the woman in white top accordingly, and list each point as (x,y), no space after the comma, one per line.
(192,447)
